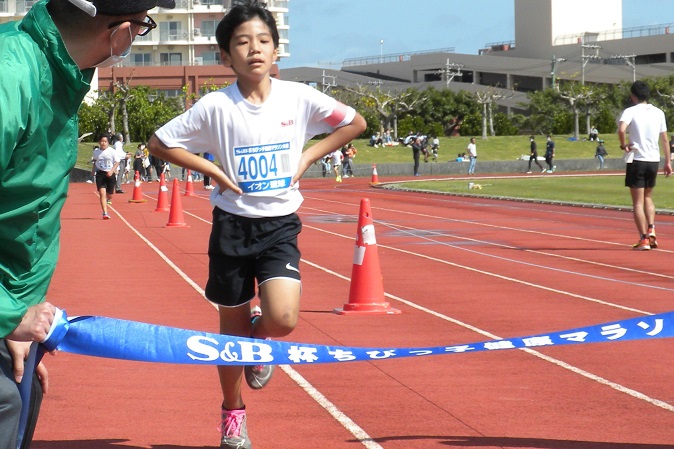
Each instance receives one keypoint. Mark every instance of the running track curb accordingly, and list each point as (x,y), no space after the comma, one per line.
(396,186)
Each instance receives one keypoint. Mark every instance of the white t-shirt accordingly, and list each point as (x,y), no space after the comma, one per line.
(105,159)
(120,154)
(336,157)
(645,123)
(472,149)
(258,146)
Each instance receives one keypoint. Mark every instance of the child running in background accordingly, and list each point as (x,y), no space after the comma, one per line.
(256,128)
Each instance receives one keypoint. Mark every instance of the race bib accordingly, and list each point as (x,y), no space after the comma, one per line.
(261,168)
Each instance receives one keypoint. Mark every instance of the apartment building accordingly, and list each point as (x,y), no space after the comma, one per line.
(180,52)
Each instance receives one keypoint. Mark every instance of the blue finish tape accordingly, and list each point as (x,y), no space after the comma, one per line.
(130,340)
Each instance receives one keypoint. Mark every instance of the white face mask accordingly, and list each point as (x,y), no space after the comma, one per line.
(116,59)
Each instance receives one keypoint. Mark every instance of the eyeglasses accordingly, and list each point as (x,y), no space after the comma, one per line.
(146,25)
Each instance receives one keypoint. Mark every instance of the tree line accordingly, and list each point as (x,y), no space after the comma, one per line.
(570,108)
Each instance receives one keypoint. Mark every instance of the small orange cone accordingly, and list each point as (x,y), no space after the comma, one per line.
(137,191)
(189,187)
(162,196)
(176,218)
(375,177)
(367,288)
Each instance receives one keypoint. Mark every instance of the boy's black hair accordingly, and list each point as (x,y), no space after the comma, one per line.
(245,11)
(641,91)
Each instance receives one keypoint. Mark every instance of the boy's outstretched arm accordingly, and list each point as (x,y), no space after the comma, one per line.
(337,139)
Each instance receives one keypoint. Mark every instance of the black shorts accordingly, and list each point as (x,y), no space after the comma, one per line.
(244,250)
(103,181)
(641,174)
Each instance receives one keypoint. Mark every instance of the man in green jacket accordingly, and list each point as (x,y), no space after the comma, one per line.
(48,61)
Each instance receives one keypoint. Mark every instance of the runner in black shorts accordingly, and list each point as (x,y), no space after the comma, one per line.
(244,250)
(106,164)
(103,181)
(641,174)
(642,131)
(257,135)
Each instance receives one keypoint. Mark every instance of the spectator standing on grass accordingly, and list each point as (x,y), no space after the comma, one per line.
(257,128)
(147,163)
(671,147)
(417,148)
(472,155)
(325,165)
(138,161)
(533,156)
(118,147)
(647,129)
(550,154)
(345,162)
(47,64)
(350,154)
(336,158)
(158,165)
(207,179)
(600,153)
(93,165)
(435,146)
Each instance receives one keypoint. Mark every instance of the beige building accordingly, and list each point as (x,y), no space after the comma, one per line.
(541,25)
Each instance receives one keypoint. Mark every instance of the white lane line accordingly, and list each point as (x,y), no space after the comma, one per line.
(485,242)
(615,386)
(410,231)
(331,408)
(496,275)
(343,419)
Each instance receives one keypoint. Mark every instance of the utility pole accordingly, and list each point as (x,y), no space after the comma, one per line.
(586,58)
(630,60)
(331,83)
(451,70)
(555,61)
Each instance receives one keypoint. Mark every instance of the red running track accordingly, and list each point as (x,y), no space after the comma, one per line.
(461,270)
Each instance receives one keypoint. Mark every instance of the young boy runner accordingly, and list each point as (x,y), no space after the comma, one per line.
(256,128)
(107,161)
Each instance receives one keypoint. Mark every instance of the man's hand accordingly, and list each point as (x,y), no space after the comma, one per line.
(35,324)
(19,351)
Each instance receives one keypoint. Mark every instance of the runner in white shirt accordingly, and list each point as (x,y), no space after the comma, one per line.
(647,129)
(106,164)
(256,129)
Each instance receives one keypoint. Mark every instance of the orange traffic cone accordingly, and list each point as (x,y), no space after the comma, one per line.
(137,191)
(375,177)
(189,188)
(162,196)
(176,218)
(367,288)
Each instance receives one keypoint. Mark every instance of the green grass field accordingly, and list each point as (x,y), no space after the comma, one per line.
(600,190)
(604,190)
(493,149)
